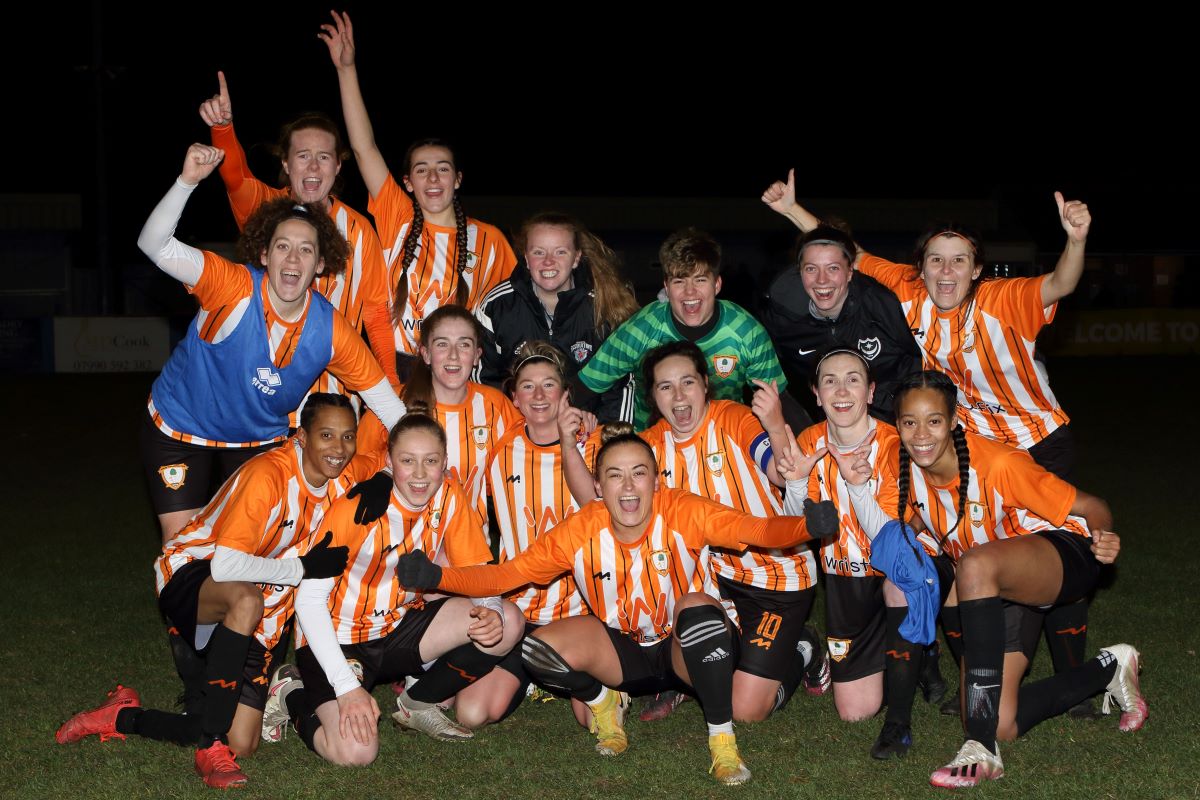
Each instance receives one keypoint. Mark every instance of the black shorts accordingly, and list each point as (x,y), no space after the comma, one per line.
(179,602)
(1056,453)
(645,669)
(386,660)
(771,626)
(182,476)
(1080,568)
(855,626)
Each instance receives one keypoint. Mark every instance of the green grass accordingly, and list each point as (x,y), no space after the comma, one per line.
(78,615)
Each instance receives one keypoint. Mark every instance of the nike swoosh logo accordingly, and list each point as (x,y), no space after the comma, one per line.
(991,686)
(807,352)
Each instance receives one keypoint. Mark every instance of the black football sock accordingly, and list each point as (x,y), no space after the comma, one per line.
(902,663)
(550,669)
(165,726)
(1062,691)
(952,627)
(708,653)
(983,663)
(226,661)
(1066,634)
(303,715)
(453,672)
(190,666)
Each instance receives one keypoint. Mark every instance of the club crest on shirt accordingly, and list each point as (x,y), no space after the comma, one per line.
(839,649)
(173,475)
(975,510)
(968,342)
(580,351)
(265,380)
(715,462)
(480,434)
(472,263)
(869,347)
(724,365)
(435,519)
(661,561)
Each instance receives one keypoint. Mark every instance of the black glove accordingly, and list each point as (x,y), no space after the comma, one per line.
(417,573)
(374,494)
(324,561)
(822,518)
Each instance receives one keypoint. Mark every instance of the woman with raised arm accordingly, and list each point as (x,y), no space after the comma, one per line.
(435,253)
(251,355)
(981,331)
(637,556)
(311,155)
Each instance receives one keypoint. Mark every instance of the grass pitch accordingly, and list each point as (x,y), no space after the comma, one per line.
(78,615)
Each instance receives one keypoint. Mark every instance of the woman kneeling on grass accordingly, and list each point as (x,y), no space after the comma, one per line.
(225,582)
(637,555)
(1024,540)
(363,627)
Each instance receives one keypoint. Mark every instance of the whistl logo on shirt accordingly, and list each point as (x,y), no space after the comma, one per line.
(265,380)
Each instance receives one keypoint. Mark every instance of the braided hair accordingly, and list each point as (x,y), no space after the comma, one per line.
(416,233)
(940,383)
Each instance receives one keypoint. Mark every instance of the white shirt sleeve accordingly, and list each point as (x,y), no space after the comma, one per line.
(312,612)
(234,565)
(871,517)
(157,239)
(382,399)
(794,497)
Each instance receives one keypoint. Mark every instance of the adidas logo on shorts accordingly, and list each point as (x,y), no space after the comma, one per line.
(716,655)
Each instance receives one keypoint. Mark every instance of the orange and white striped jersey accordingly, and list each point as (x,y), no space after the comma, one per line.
(986,349)
(224,291)
(531,496)
(723,461)
(433,273)
(473,428)
(631,587)
(367,601)
(265,509)
(1010,495)
(849,554)
(359,292)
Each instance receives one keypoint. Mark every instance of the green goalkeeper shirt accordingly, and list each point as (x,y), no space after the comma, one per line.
(736,350)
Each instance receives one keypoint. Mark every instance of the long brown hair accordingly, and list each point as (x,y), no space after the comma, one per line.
(613,299)
(419,389)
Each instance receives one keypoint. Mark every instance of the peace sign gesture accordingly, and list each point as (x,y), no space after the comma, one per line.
(793,464)
(217,110)
(855,466)
(1075,218)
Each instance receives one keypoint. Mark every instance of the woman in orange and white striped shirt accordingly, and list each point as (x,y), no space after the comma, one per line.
(719,450)
(1022,539)
(366,618)
(637,555)
(435,253)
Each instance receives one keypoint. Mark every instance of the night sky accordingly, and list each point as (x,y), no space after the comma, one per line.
(621,106)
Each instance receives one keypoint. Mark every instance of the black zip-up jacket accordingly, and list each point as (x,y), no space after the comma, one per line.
(511,315)
(871,321)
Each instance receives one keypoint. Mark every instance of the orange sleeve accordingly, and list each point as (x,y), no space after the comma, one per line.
(246,192)
(374,295)
(887,470)
(703,521)
(463,538)
(351,362)
(1024,484)
(340,520)
(897,277)
(547,558)
(508,412)
(378,322)
(506,261)
(222,282)
(247,508)
(807,441)
(371,455)
(392,209)
(1017,302)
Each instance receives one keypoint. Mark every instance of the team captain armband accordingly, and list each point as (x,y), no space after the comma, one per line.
(760,450)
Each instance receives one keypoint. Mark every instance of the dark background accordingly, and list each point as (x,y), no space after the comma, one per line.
(615,101)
